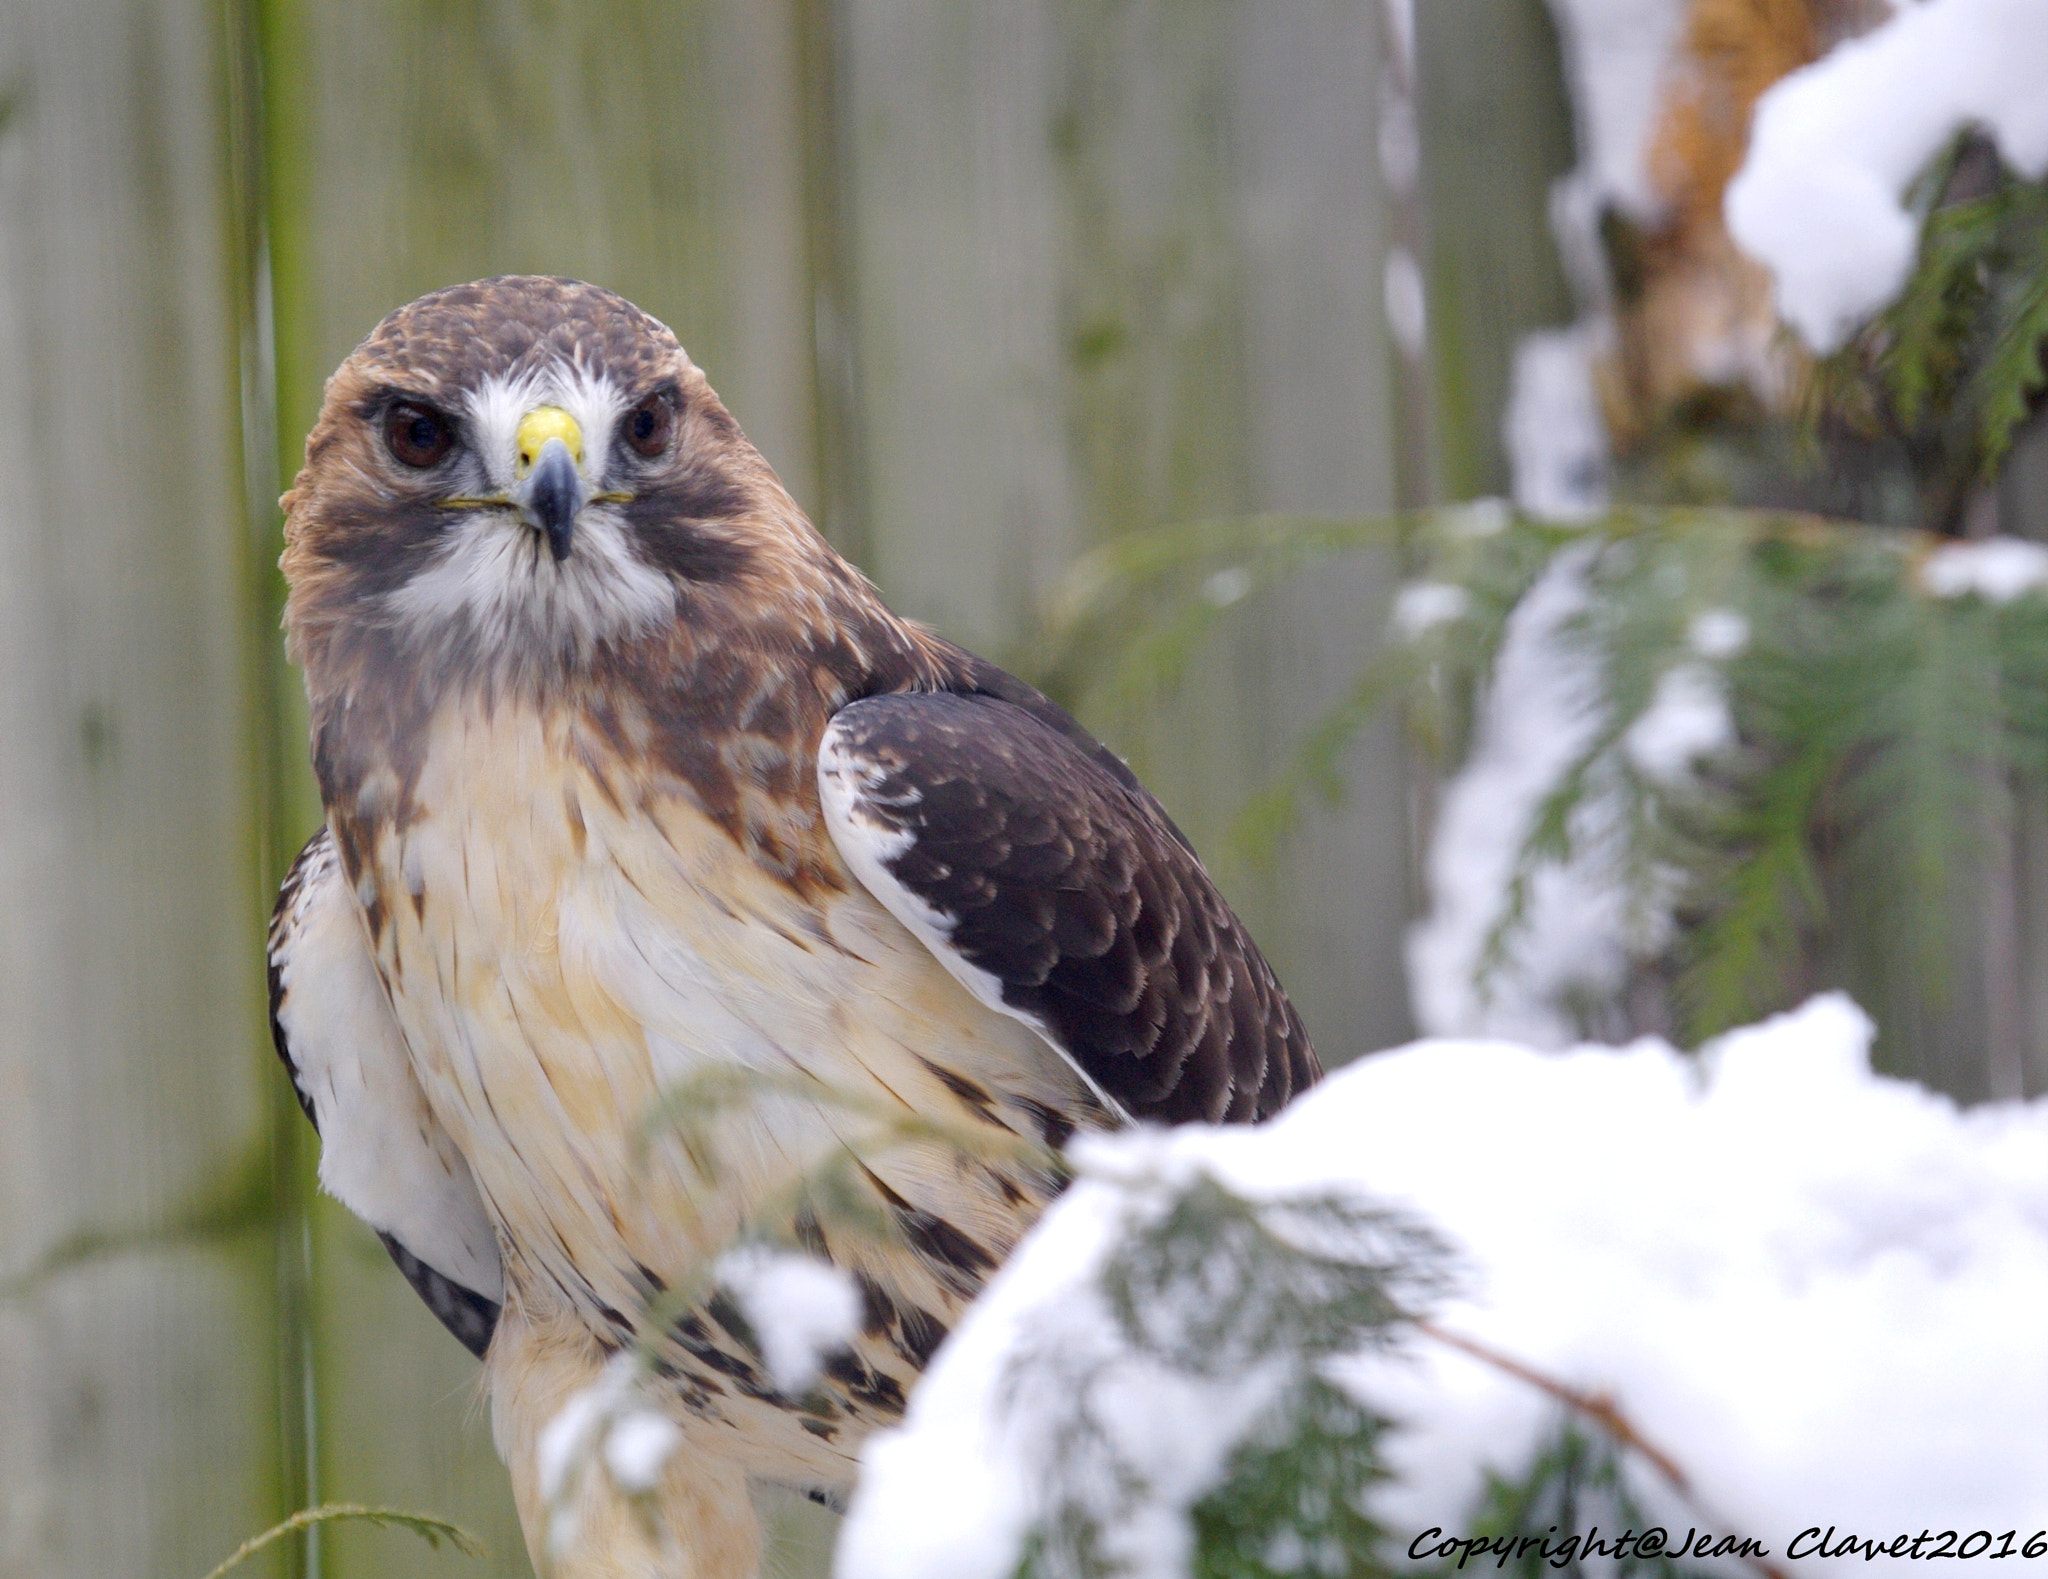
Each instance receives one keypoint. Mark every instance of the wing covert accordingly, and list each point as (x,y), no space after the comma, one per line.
(1056,889)
(383,1154)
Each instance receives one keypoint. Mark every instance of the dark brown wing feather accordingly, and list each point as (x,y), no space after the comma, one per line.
(1057,874)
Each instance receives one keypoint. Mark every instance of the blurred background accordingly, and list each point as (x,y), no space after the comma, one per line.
(996,288)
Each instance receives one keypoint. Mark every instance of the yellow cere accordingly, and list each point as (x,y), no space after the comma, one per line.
(544,423)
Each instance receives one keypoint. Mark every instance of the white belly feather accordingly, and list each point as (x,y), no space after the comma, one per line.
(558,960)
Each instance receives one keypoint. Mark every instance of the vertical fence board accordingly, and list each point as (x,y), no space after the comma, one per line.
(656,150)
(952,226)
(1496,132)
(1321,435)
(1116,266)
(136,1319)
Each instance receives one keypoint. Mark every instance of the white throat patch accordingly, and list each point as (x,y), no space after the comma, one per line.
(493,579)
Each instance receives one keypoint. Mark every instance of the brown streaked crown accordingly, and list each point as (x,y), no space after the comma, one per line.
(451,340)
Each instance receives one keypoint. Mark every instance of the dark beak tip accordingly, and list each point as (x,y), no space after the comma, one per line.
(557,495)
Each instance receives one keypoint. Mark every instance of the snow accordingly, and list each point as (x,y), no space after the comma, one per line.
(1617,56)
(1538,717)
(1227,586)
(1687,719)
(1406,303)
(1809,1285)
(1816,1289)
(572,1433)
(1421,606)
(610,1424)
(801,1309)
(1996,569)
(1834,146)
(1719,634)
(954,1492)
(1401,32)
(1555,436)
(1400,141)
(1588,919)
(1477,518)
(638,1448)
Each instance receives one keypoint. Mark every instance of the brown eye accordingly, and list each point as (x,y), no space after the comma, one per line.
(417,435)
(649,425)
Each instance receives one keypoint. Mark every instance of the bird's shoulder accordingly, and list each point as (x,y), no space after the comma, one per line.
(1038,870)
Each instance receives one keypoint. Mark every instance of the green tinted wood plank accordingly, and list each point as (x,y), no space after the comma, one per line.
(136,1316)
(402,1419)
(1496,133)
(651,149)
(140,1414)
(1117,265)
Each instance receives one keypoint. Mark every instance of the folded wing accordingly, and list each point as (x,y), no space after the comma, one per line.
(1047,881)
(383,1155)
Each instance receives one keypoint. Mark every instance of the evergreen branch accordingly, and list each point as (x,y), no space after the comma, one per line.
(1274,811)
(685,1108)
(1869,717)
(1924,331)
(1603,1411)
(837,1189)
(1102,635)
(1739,959)
(2012,373)
(1944,374)
(431,1530)
(1100,585)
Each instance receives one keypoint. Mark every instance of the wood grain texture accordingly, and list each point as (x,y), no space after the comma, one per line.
(987,283)
(1496,132)
(136,1361)
(1117,266)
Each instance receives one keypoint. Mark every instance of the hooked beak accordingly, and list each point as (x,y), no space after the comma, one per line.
(549,490)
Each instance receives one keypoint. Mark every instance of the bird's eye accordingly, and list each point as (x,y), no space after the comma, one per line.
(417,436)
(650,424)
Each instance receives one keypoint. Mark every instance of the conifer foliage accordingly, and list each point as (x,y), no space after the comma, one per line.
(1949,370)
(1887,705)
(1853,819)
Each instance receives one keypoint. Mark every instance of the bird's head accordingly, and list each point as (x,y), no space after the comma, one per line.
(519,475)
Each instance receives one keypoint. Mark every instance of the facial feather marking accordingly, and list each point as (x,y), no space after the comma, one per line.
(493,586)
(500,402)
(704,623)
(495,408)
(703,607)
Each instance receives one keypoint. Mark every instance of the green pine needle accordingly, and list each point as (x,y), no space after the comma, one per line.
(1833,845)
(431,1530)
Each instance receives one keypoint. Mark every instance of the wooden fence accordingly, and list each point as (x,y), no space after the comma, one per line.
(986,282)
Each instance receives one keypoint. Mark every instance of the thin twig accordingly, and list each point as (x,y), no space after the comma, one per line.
(430,1530)
(1602,1410)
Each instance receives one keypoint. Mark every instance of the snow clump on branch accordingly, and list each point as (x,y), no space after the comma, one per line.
(1834,146)
(1814,1289)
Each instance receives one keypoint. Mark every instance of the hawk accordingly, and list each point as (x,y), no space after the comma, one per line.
(632,783)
